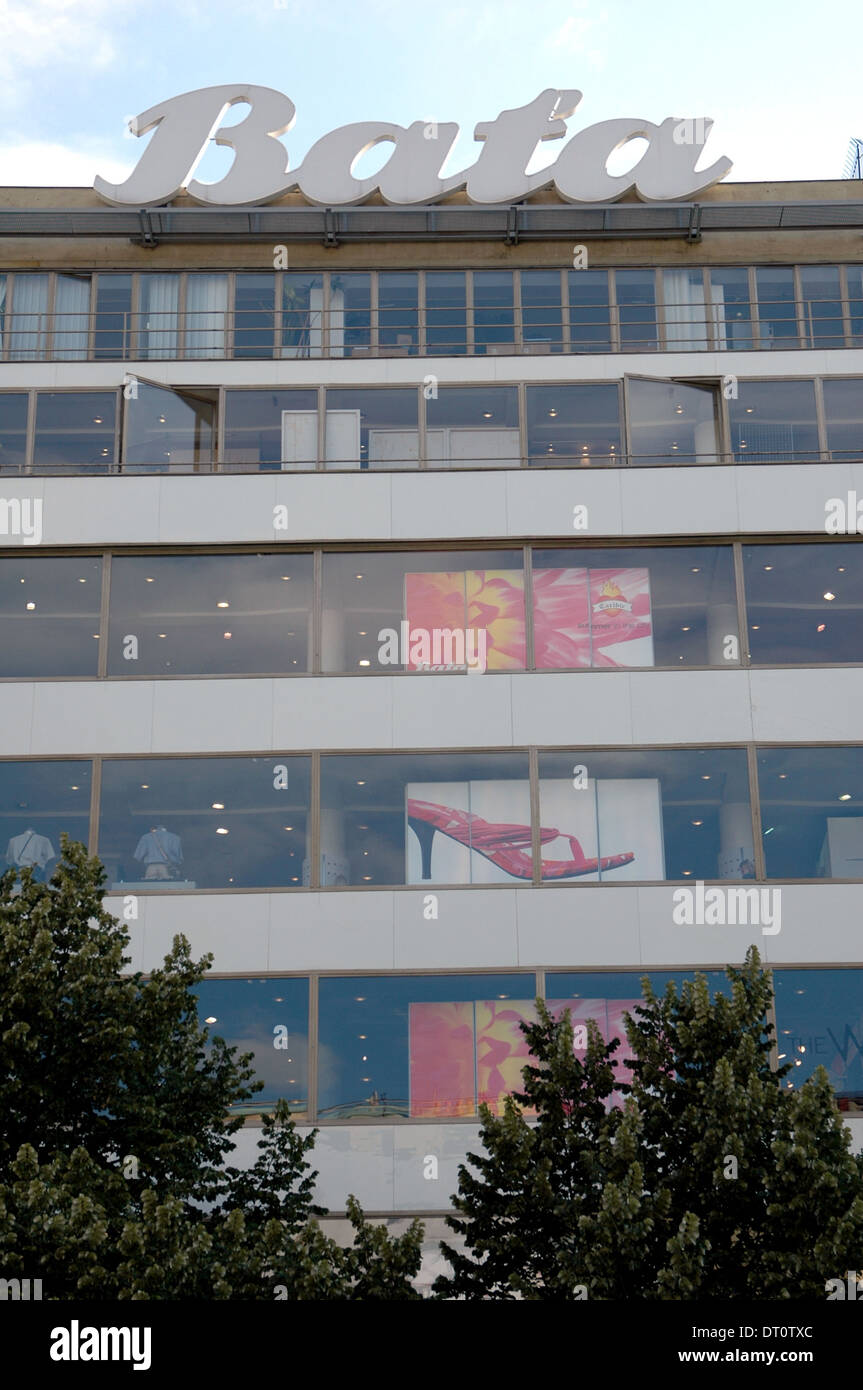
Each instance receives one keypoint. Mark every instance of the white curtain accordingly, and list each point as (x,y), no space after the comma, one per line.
(2,308)
(28,325)
(685,312)
(71,317)
(206,312)
(158,318)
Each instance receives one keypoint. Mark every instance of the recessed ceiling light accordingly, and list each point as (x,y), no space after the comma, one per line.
(360,998)
(361,784)
(218,805)
(30,607)
(223,603)
(212,1019)
(698,822)
(97,419)
(829,597)
(767,568)
(364,662)
(822,627)
(705,776)
(220,830)
(359,576)
(846,796)
(148,580)
(486,414)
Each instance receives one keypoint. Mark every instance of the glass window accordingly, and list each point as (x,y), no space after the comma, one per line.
(13,431)
(302,313)
(574,425)
(774,422)
(421,1046)
(254,315)
(175,824)
(777,309)
(634,607)
(730,308)
(589,311)
(446,312)
(112,332)
(71,317)
(640,815)
(38,801)
(206,314)
(75,430)
(684,310)
(270,1019)
(854,274)
(451,610)
(381,814)
(271,429)
(493,311)
(473,427)
(671,423)
(372,429)
(541,317)
(168,429)
(350,316)
(195,615)
(822,306)
(3,290)
(158,318)
(28,322)
(843,413)
(811,800)
(819,1023)
(636,310)
(804,603)
(49,616)
(398,312)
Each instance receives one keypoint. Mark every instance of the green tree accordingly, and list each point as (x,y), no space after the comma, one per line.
(713,1179)
(116,1133)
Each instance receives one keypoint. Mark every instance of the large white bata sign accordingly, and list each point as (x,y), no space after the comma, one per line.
(260,171)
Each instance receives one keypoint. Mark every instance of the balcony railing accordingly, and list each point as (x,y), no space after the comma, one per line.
(291,334)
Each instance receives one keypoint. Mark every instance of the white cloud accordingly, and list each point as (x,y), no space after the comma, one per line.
(35,34)
(41,164)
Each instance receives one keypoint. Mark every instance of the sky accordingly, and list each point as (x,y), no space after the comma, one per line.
(780,78)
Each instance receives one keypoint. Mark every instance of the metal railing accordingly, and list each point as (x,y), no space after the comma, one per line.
(338,333)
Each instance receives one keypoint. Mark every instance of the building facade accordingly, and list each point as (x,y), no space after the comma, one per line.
(409,605)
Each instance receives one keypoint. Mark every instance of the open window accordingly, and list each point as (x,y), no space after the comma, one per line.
(167,430)
(672,421)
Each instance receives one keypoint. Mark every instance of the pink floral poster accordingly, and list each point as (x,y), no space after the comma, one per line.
(489,601)
(442,1059)
(592,617)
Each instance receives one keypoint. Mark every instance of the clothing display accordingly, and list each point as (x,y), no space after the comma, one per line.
(161,851)
(29,850)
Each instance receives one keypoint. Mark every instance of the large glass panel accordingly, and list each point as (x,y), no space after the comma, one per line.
(28,322)
(302,313)
(13,431)
(112,333)
(168,430)
(574,425)
(71,317)
(380,814)
(3,306)
(445,610)
(158,318)
(270,1019)
(819,1023)
(75,430)
(636,310)
(589,311)
(541,317)
(812,811)
(640,606)
(641,815)
(206,314)
(684,311)
(350,316)
(854,274)
(49,615)
(254,315)
(822,306)
(398,312)
(372,429)
(269,429)
(176,824)
(671,423)
(843,414)
(774,422)
(777,310)
(446,312)
(804,603)
(421,1046)
(473,427)
(730,308)
(38,801)
(196,615)
(493,311)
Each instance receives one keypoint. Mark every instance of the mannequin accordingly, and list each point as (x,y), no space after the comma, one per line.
(30,850)
(162,852)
